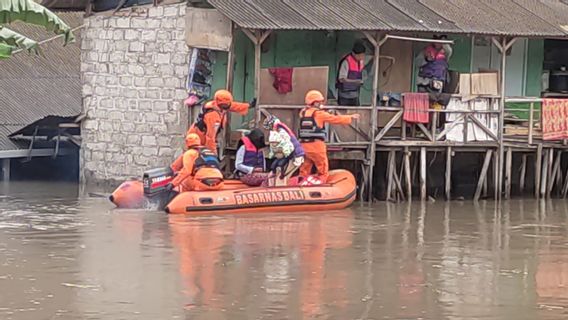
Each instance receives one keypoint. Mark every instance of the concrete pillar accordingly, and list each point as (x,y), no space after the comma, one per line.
(5,169)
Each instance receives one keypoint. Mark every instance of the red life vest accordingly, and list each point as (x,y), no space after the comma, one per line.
(355,73)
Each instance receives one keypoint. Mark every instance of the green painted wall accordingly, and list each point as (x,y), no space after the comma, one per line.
(317,48)
(533,84)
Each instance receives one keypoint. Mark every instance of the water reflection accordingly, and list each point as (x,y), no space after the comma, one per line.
(70,257)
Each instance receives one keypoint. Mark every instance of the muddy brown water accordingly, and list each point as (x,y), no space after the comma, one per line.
(65,256)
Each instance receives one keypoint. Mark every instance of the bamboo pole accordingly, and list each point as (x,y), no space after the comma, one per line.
(448,184)
(423,194)
(483,174)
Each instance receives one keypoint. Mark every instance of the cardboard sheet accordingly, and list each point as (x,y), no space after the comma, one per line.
(303,80)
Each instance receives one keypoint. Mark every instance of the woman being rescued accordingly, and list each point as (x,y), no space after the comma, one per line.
(273,124)
(250,164)
(198,168)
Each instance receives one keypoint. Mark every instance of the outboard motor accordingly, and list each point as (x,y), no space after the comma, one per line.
(155,182)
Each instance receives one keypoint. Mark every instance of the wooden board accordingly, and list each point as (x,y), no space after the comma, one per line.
(207,29)
(303,80)
(473,84)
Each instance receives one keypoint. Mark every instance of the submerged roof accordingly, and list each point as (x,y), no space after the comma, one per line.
(531,18)
(34,87)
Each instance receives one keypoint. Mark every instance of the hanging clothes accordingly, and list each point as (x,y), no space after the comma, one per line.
(416,105)
(554,119)
(282,79)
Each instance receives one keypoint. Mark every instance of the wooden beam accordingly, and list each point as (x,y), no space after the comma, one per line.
(483,127)
(31,146)
(483,174)
(508,164)
(500,128)
(363,185)
(531,122)
(407,173)
(257,54)
(537,171)
(523,174)
(231,62)
(250,35)
(433,126)
(450,127)
(425,131)
(373,120)
(388,126)
(448,184)
(423,193)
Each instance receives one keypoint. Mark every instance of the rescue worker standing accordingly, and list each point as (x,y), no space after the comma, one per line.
(200,168)
(313,133)
(213,117)
(350,76)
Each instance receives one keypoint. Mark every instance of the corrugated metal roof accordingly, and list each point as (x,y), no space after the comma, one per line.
(34,87)
(536,18)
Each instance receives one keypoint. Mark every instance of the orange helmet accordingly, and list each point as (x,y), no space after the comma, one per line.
(314,96)
(192,140)
(223,98)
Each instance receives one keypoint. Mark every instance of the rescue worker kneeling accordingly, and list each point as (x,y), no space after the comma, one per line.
(200,168)
(313,133)
(213,117)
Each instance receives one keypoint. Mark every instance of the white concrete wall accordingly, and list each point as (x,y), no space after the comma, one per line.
(134,68)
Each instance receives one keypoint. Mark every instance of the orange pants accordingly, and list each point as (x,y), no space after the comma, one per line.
(315,154)
(195,183)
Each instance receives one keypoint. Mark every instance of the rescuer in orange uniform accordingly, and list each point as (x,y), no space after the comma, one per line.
(312,133)
(213,117)
(199,168)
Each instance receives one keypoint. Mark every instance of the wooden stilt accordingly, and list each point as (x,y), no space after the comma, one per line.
(423,194)
(554,176)
(407,173)
(538,171)
(523,173)
(496,188)
(390,171)
(448,184)
(559,176)
(508,164)
(5,169)
(565,189)
(552,171)
(485,187)
(544,174)
(483,174)
(363,184)
(376,40)
(398,191)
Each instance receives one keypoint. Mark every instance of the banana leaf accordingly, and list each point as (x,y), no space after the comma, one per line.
(30,12)
(5,51)
(14,39)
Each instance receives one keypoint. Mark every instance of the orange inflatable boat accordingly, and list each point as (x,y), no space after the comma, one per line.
(337,192)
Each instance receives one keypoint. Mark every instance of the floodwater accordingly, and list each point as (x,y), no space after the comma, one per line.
(64,256)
